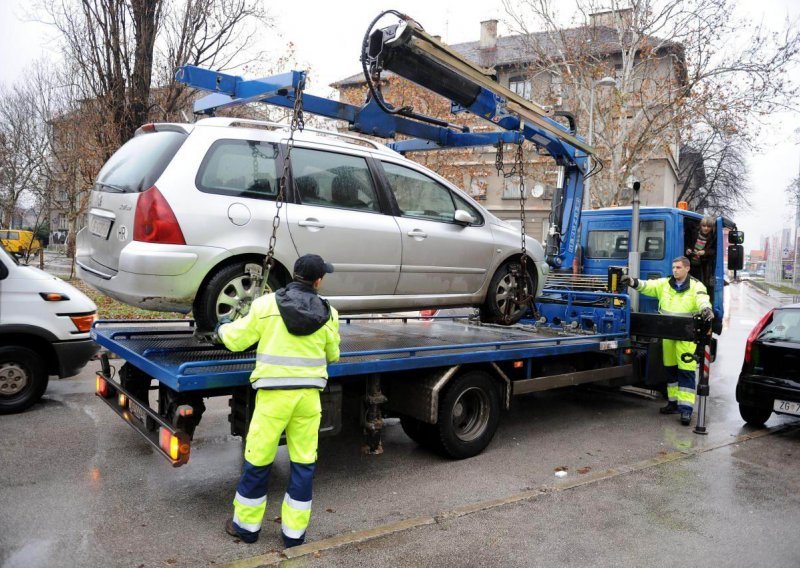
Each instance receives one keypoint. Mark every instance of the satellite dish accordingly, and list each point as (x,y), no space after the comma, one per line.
(537,190)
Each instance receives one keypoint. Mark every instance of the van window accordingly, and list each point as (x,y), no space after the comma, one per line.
(11,235)
(651,240)
(139,163)
(328,179)
(241,168)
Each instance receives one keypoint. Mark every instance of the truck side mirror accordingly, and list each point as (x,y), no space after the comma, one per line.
(736,238)
(735,257)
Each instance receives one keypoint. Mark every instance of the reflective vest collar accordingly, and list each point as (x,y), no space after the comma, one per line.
(680,287)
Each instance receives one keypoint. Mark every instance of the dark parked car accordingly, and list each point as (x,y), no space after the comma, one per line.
(770,377)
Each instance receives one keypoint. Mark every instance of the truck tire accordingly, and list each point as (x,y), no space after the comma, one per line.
(229,288)
(469,411)
(501,289)
(424,434)
(23,378)
(754,416)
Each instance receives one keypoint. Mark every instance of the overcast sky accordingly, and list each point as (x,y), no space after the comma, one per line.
(327,37)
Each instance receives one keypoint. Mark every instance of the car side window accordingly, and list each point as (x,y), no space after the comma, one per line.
(419,196)
(328,179)
(241,168)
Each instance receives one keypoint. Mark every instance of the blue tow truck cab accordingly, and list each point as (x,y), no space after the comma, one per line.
(663,236)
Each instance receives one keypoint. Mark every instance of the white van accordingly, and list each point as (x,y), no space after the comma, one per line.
(44,330)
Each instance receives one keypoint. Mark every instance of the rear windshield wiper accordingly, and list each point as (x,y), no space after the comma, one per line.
(116,188)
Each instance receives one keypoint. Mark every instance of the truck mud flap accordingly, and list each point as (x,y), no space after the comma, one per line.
(170,442)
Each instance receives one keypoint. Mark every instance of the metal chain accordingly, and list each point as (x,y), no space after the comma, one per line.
(297,122)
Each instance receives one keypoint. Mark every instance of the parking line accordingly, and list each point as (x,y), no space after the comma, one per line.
(357,537)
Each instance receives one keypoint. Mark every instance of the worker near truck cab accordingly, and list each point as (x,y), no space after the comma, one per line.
(701,248)
(298,335)
(679,295)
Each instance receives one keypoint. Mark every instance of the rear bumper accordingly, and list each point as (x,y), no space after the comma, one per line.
(73,355)
(760,392)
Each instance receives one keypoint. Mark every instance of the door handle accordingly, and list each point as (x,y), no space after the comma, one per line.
(313,223)
(417,234)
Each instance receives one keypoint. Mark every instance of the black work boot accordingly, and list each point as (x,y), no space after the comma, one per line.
(230,529)
(686,417)
(670,408)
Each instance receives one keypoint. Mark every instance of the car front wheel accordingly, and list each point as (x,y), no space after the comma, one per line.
(228,294)
(501,304)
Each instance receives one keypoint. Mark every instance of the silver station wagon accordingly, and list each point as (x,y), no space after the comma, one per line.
(182,212)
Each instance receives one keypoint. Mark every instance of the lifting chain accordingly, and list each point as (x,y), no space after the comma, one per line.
(296,123)
(523,296)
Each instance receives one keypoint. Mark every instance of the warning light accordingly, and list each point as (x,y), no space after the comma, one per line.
(683,205)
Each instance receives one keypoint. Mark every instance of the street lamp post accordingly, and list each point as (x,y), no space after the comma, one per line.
(604,82)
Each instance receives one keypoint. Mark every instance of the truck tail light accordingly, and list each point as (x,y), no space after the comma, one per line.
(763,322)
(173,446)
(101,386)
(84,322)
(154,221)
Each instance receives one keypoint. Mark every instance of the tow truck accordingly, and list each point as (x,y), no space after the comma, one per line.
(446,378)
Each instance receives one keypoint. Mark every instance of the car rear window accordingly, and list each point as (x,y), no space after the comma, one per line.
(137,165)
(241,168)
(785,326)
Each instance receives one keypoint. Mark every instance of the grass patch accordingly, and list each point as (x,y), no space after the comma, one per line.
(783,289)
(109,308)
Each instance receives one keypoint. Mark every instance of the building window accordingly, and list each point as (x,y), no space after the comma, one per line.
(521,86)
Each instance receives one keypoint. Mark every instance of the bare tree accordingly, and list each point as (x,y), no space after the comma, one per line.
(674,61)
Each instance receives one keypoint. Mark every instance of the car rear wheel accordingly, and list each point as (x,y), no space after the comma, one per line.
(228,294)
(500,305)
(754,416)
(23,378)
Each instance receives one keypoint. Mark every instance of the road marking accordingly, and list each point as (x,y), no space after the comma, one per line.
(357,537)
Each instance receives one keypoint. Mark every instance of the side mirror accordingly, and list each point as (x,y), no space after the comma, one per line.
(735,257)
(736,238)
(463,218)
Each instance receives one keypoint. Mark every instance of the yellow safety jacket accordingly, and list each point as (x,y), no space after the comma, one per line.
(285,360)
(674,300)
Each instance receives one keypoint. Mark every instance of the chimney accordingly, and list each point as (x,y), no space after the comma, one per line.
(610,18)
(488,34)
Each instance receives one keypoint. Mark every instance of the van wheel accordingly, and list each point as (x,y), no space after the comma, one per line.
(229,290)
(23,378)
(501,296)
(754,416)
(469,411)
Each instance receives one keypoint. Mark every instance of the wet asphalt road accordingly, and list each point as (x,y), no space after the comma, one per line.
(80,488)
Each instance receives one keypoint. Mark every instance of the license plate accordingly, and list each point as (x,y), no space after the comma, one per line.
(787,407)
(99,226)
(137,411)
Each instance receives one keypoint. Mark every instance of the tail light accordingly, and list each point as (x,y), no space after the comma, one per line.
(428,313)
(172,445)
(101,386)
(762,323)
(155,221)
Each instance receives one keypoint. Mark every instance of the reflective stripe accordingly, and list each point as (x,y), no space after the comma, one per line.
(283,382)
(298,505)
(292,533)
(668,313)
(250,502)
(250,527)
(291,361)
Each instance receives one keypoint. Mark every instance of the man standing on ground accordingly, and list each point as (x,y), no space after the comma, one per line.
(680,295)
(298,335)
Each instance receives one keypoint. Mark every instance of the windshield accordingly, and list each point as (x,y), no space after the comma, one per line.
(139,163)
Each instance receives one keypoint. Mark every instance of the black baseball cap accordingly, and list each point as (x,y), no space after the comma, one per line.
(311,266)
